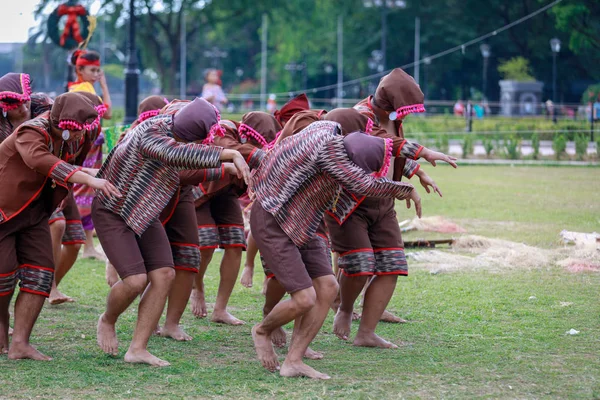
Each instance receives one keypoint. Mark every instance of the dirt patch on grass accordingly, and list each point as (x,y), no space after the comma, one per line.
(496,255)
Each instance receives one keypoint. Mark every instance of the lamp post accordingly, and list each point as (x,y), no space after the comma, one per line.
(485,52)
(555,47)
(385,5)
(132,71)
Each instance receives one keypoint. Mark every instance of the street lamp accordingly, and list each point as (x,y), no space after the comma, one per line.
(385,5)
(132,71)
(485,52)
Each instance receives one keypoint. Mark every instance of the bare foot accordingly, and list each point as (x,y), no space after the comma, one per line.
(342,324)
(156,331)
(391,318)
(278,337)
(4,340)
(372,340)
(175,332)
(301,369)
(198,303)
(107,337)
(93,253)
(247,274)
(264,350)
(312,355)
(355,316)
(223,317)
(111,274)
(144,357)
(56,297)
(20,351)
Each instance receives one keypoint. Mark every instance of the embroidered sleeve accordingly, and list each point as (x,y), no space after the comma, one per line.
(253,155)
(157,145)
(33,148)
(402,147)
(334,161)
(255,158)
(195,177)
(410,168)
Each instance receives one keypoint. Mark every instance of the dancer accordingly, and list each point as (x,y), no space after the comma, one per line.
(35,177)
(144,167)
(88,68)
(291,108)
(148,108)
(295,184)
(66,226)
(369,242)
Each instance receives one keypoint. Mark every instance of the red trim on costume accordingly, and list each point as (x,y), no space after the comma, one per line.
(36,267)
(418,152)
(73,242)
(200,186)
(227,246)
(8,293)
(208,247)
(72,173)
(387,158)
(54,166)
(73,221)
(194,270)
(250,155)
(26,204)
(271,276)
(400,148)
(8,274)
(34,292)
(184,244)
(403,273)
(230,226)
(173,210)
(358,274)
(388,248)
(367,249)
(56,219)
(206,226)
(323,236)
(358,203)
(415,171)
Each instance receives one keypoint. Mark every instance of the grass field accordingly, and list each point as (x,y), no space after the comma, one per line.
(469,336)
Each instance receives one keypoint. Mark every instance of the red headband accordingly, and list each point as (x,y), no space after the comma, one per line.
(82,62)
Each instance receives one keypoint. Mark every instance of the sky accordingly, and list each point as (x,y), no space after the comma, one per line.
(16,18)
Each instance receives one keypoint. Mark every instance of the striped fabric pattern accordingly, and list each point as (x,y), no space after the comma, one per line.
(186,257)
(7,283)
(144,167)
(36,279)
(301,178)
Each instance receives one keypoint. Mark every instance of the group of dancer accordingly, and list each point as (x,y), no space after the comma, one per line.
(182,182)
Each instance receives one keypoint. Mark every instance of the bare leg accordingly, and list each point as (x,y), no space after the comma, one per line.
(89,251)
(67,260)
(386,316)
(350,288)
(27,309)
(309,354)
(230,268)
(120,297)
(4,323)
(336,271)
(149,311)
(377,297)
(110,274)
(57,230)
(248,272)
(179,296)
(299,303)
(326,288)
(273,295)
(197,297)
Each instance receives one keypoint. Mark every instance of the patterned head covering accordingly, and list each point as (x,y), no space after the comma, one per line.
(350,119)
(197,120)
(289,109)
(14,90)
(260,127)
(300,121)
(40,103)
(74,111)
(371,153)
(399,93)
(100,108)
(150,107)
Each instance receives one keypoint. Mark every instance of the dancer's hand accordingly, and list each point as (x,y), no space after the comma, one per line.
(433,156)
(242,167)
(90,171)
(426,182)
(231,169)
(414,196)
(105,186)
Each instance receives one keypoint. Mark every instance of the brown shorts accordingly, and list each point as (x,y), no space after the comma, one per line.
(293,267)
(131,254)
(220,222)
(182,231)
(26,249)
(74,233)
(369,242)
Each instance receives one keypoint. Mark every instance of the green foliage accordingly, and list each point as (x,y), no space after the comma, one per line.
(488,145)
(114,70)
(559,145)
(591,94)
(516,69)
(581,144)
(443,143)
(467,146)
(511,147)
(535,144)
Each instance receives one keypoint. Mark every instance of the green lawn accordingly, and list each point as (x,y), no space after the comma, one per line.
(470,335)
